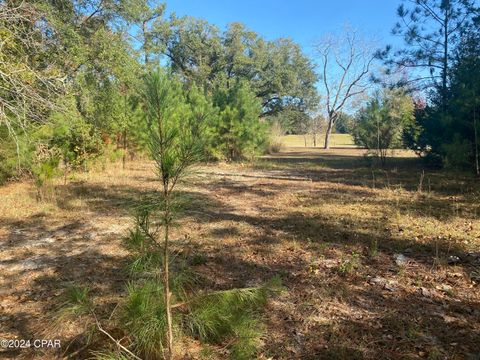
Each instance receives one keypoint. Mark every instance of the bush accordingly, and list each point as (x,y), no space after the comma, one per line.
(144,318)
(379,125)
(43,169)
(458,153)
(38,149)
(77,140)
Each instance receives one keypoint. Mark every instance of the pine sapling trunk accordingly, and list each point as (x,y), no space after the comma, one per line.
(379,152)
(124,131)
(168,306)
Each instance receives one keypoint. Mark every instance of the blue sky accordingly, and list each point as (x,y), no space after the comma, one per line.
(302,20)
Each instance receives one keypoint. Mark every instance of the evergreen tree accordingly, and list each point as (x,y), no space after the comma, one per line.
(380,124)
(237,132)
(431,30)
(175,138)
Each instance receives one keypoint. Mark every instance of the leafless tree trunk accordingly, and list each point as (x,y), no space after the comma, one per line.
(345,63)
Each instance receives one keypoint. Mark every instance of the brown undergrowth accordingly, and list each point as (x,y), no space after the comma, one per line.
(376,263)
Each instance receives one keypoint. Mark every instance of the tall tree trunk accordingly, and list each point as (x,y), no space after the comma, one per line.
(445,58)
(378,138)
(328,133)
(145,42)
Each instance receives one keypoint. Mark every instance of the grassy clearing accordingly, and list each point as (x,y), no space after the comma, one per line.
(337,140)
(324,221)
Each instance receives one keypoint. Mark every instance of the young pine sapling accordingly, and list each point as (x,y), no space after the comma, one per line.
(175,121)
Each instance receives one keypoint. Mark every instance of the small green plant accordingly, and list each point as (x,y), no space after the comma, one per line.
(212,318)
(349,264)
(144,317)
(76,302)
(232,314)
(76,305)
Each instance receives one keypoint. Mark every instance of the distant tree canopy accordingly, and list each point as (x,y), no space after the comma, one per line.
(70,73)
(73,69)
(279,73)
(292,121)
(344,123)
(431,29)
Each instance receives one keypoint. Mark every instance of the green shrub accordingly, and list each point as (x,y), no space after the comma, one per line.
(379,126)
(43,169)
(231,314)
(237,132)
(458,153)
(76,302)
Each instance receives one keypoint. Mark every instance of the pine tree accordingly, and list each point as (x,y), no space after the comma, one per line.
(237,131)
(175,134)
(431,29)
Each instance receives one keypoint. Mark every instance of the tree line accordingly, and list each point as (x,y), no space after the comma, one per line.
(71,71)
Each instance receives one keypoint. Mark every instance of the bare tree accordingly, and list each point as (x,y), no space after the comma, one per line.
(26,91)
(345,63)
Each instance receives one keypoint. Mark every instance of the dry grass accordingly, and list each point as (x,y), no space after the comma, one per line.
(337,140)
(323,220)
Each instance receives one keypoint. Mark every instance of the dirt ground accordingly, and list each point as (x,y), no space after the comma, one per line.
(376,263)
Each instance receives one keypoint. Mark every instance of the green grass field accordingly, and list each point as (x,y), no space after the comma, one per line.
(337,140)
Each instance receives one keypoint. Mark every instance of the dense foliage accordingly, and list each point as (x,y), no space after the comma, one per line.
(442,58)
(74,69)
(450,135)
